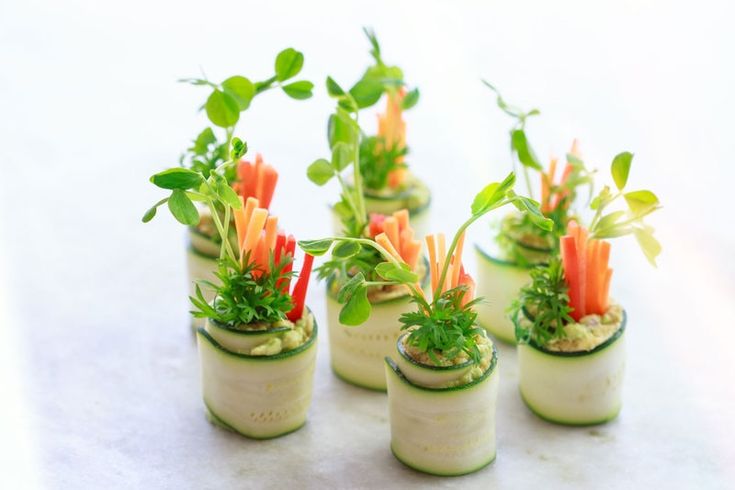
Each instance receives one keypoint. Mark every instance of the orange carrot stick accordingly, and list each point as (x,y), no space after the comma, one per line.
(411,253)
(402,218)
(255,227)
(605,290)
(383,240)
(406,238)
(240,225)
(271,233)
(250,205)
(269,177)
(390,228)
(431,246)
(593,278)
(456,262)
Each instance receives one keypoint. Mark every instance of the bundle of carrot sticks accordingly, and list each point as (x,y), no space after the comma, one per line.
(394,233)
(456,275)
(586,271)
(259,238)
(392,129)
(256,180)
(547,183)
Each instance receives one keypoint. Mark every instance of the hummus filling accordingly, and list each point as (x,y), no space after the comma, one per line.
(590,332)
(296,336)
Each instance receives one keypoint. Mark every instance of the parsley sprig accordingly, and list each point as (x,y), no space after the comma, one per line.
(542,307)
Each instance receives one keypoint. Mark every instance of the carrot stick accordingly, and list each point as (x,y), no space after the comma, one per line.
(255,227)
(390,228)
(411,253)
(431,246)
(271,230)
(383,240)
(270,177)
(290,249)
(280,244)
(571,273)
(240,225)
(456,261)
(250,205)
(592,279)
(582,265)
(402,218)
(406,238)
(605,290)
(466,280)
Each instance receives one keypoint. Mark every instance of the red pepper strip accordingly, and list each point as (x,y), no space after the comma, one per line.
(280,244)
(269,179)
(299,290)
(571,273)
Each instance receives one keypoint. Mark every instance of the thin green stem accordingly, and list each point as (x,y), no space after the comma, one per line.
(357,177)
(227,229)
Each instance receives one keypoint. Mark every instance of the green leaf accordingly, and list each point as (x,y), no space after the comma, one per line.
(241,89)
(367,92)
(492,194)
(288,64)
(392,272)
(342,155)
(299,90)
(239,148)
(341,128)
(202,141)
(222,109)
(349,288)
(357,308)
(505,107)
(182,208)
(316,247)
(228,195)
(608,221)
(525,154)
(150,214)
(333,88)
(648,243)
(373,42)
(531,207)
(641,202)
(320,172)
(177,178)
(410,100)
(345,250)
(620,168)
(347,103)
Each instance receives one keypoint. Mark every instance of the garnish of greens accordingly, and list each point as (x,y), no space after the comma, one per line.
(556,197)
(208,168)
(443,323)
(247,293)
(347,143)
(563,291)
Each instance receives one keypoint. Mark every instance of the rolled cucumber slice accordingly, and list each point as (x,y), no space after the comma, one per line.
(357,353)
(574,388)
(260,397)
(498,281)
(443,431)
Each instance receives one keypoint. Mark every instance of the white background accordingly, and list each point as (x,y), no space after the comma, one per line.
(92,302)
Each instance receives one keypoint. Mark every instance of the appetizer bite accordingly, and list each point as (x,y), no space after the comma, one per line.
(357,355)
(442,377)
(210,154)
(519,245)
(258,345)
(388,184)
(571,335)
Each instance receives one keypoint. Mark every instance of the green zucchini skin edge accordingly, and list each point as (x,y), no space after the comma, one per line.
(569,423)
(201,254)
(413,362)
(356,385)
(618,333)
(283,355)
(451,389)
(246,332)
(505,263)
(214,419)
(435,473)
(424,282)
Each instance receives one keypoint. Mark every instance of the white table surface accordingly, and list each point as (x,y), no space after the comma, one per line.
(98,368)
